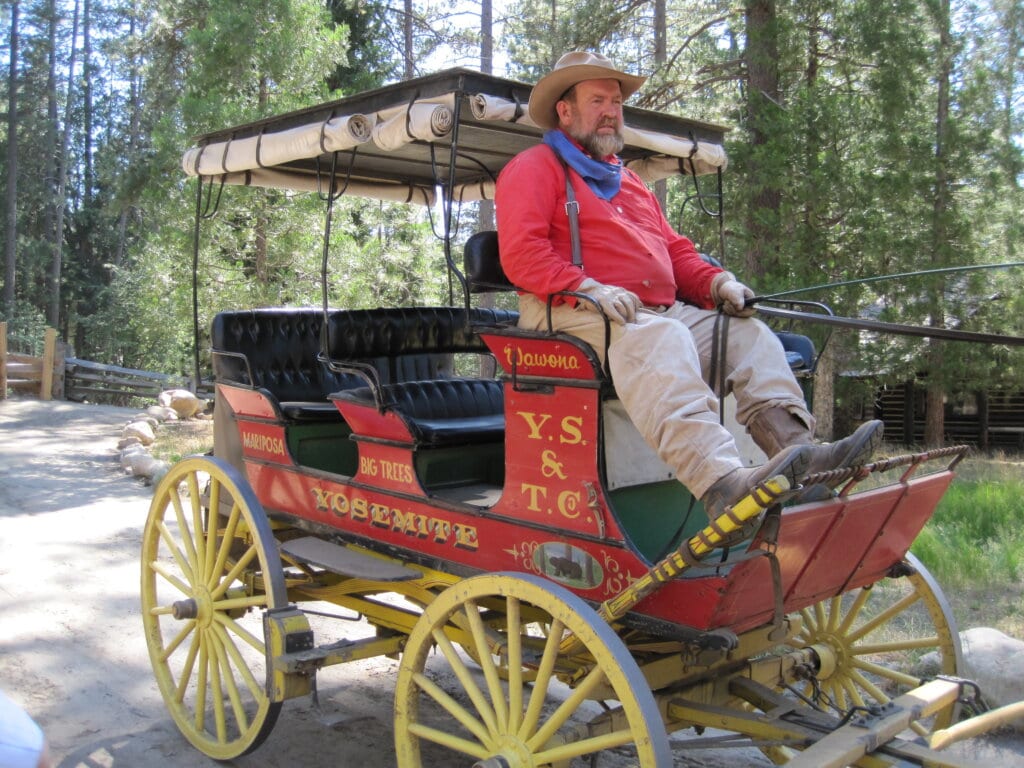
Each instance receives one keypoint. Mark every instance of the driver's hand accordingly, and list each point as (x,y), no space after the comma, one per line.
(617,303)
(730,295)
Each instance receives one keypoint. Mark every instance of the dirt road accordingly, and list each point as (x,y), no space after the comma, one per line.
(71,646)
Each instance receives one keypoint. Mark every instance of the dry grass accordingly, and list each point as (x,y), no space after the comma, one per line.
(177,439)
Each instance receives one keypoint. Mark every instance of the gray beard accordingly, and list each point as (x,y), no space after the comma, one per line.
(601,146)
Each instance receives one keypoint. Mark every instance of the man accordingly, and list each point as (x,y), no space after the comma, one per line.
(659,294)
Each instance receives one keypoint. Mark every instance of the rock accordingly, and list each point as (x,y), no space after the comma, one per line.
(124,442)
(145,466)
(146,417)
(184,403)
(162,413)
(995,661)
(159,473)
(141,430)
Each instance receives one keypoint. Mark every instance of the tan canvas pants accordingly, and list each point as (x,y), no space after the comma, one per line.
(661,369)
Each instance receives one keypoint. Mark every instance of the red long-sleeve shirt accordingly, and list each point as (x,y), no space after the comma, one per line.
(625,241)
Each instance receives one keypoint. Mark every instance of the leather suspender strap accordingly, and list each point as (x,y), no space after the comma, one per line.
(572,210)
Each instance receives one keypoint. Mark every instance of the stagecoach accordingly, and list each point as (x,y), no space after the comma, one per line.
(476,497)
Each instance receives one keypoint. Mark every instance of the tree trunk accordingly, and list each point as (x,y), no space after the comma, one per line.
(62,177)
(934,426)
(660,56)
(763,99)
(11,244)
(823,405)
(815,243)
(134,139)
(88,170)
(52,150)
(486,213)
(410,68)
(262,222)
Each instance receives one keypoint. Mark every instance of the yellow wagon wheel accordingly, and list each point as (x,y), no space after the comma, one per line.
(206,581)
(871,641)
(514,723)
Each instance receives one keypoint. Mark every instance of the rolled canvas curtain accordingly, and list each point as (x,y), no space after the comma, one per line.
(269,177)
(421,121)
(337,134)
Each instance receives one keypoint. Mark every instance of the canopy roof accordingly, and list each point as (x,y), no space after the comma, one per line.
(396,142)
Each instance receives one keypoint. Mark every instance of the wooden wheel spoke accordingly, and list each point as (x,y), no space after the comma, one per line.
(542,680)
(199,721)
(195,502)
(255,688)
(895,646)
(873,690)
(228,679)
(185,532)
(179,556)
(892,674)
(237,629)
(224,550)
(854,610)
(454,743)
(231,576)
(854,694)
(465,677)
(835,611)
(566,709)
(171,647)
(217,691)
(820,620)
(161,570)
(483,648)
(188,668)
(809,627)
(232,603)
(210,544)
(884,617)
(453,708)
(589,746)
(514,662)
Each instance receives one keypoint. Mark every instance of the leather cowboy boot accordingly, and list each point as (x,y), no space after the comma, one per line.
(776,428)
(726,491)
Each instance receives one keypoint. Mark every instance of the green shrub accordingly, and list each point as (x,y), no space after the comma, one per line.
(976,537)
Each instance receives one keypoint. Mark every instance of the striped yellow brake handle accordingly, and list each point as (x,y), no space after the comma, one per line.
(700,544)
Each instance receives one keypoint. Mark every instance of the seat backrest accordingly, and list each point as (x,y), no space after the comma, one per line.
(482,264)
(274,348)
(409,343)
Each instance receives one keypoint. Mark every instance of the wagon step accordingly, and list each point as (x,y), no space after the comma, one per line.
(346,561)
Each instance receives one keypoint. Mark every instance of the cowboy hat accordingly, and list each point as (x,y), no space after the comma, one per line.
(573,68)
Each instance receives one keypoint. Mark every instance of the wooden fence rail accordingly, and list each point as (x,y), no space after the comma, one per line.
(27,373)
(56,376)
(86,380)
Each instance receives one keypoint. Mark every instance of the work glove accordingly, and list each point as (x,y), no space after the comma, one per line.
(617,303)
(730,295)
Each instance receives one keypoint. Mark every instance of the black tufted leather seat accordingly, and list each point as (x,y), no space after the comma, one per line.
(406,355)
(275,349)
(441,411)
(409,344)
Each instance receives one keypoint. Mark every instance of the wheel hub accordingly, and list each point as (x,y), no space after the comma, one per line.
(185,609)
(830,652)
(198,607)
(510,752)
(497,761)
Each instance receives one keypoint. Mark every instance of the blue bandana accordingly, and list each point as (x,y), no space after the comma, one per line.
(603,178)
